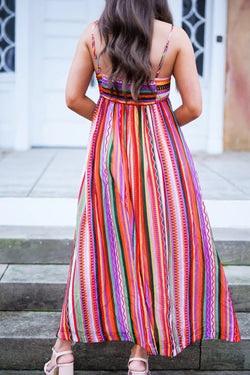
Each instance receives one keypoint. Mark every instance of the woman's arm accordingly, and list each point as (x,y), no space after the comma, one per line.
(187,80)
(79,78)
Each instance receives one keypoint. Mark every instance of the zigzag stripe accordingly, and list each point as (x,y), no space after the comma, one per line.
(157,268)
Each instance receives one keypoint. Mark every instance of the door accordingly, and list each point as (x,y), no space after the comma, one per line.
(56,28)
(205,23)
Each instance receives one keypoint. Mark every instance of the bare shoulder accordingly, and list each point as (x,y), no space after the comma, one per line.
(86,36)
(181,38)
(162,26)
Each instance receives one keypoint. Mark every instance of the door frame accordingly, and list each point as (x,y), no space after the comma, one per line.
(213,85)
(22,76)
(215,141)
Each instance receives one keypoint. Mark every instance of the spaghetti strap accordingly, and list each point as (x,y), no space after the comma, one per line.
(164,52)
(93,45)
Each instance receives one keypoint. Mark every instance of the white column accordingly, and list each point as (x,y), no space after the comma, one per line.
(22,74)
(217,77)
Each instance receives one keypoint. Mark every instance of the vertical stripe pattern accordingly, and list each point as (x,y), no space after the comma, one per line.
(144,267)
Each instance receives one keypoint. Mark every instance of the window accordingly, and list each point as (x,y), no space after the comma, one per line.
(194,22)
(7,36)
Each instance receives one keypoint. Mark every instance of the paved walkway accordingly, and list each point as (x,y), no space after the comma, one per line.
(56,172)
(40,186)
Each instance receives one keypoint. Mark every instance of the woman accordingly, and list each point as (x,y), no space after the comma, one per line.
(144,267)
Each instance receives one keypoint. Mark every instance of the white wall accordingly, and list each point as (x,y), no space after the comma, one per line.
(7,110)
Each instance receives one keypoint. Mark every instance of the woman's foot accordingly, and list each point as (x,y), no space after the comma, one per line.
(61,346)
(138,351)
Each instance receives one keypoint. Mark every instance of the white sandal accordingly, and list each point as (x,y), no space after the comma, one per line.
(134,372)
(60,368)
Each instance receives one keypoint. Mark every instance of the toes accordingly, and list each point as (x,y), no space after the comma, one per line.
(48,366)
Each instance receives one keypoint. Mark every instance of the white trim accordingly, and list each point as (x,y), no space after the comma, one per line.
(217,76)
(38,211)
(48,212)
(8,77)
(22,67)
(228,213)
(37,12)
(206,79)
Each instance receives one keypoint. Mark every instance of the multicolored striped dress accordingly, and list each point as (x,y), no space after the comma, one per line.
(144,267)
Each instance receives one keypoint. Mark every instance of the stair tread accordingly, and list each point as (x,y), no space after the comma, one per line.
(41,287)
(36,273)
(58,250)
(37,324)
(2,269)
(57,274)
(238,274)
(28,324)
(67,232)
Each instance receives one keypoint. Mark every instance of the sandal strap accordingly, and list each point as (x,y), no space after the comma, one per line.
(65,364)
(58,354)
(62,353)
(140,359)
(137,358)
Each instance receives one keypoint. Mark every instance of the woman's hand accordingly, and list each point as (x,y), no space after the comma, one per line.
(79,78)
(187,80)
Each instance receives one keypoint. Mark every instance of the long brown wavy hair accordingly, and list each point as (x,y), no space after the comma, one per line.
(127,26)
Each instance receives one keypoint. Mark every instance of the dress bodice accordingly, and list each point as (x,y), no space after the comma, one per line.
(157,91)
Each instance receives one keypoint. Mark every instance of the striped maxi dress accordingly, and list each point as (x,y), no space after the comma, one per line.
(144,267)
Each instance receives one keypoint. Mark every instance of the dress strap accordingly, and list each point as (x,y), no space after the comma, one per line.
(93,45)
(164,52)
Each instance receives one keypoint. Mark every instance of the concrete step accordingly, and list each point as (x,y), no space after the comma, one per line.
(57,251)
(66,232)
(35,251)
(26,339)
(16,211)
(42,287)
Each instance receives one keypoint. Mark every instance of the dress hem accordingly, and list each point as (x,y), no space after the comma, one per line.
(177,351)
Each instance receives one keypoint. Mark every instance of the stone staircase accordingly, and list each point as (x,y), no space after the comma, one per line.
(33,272)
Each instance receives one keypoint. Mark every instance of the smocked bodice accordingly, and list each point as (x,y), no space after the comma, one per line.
(159,91)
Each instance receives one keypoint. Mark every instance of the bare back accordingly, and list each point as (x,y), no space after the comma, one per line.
(161,34)
(179,61)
